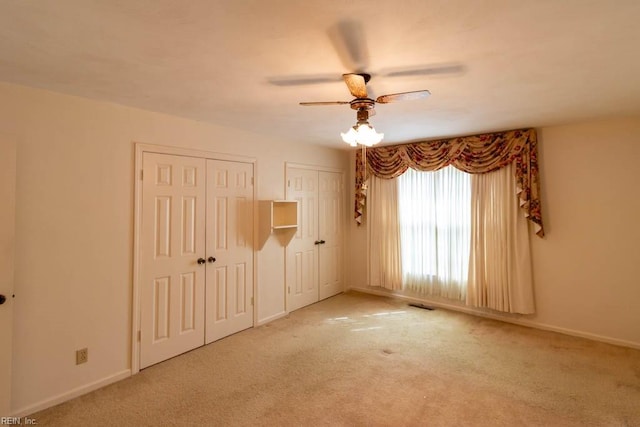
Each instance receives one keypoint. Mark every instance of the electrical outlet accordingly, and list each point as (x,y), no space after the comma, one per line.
(82,356)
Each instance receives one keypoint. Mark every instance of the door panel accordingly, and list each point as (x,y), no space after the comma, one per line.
(7,231)
(330,226)
(302,252)
(229,295)
(172,240)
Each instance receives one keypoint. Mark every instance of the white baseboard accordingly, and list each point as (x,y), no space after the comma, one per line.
(521,322)
(576,333)
(79,391)
(271,318)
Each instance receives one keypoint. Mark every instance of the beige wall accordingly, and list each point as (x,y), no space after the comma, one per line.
(74,231)
(587,268)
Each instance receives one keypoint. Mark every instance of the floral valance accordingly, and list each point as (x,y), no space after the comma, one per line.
(471,154)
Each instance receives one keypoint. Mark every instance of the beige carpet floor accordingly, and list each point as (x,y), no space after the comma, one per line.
(362,360)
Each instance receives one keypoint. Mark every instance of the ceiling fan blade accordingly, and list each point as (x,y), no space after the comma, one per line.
(307,104)
(356,84)
(403,96)
(428,70)
(303,80)
(349,42)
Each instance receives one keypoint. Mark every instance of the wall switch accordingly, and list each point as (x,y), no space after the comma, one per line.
(82,356)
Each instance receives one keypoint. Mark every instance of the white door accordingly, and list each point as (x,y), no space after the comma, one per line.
(229,292)
(172,256)
(7,225)
(314,256)
(330,233)
(302,251)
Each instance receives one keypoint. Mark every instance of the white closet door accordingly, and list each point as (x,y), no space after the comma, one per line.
(229,294)
(302,251)
(330,233)
(173,240)
(7,226)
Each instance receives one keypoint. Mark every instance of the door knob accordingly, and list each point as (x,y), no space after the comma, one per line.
(211,259)
(319,242)
(2,299)
(201,261)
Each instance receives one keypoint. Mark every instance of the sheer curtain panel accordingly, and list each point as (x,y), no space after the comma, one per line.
(383,231)
(435,224)
(500,275)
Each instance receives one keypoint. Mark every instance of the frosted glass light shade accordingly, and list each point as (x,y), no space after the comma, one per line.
(362,133)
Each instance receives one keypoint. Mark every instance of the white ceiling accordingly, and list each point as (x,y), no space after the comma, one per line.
(503,64)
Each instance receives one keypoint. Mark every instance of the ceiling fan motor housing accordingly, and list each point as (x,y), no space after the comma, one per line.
(362,104)
(365,76)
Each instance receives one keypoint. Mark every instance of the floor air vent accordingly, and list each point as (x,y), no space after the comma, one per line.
(418,305)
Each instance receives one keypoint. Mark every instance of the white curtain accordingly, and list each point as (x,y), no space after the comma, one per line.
(383,230)
(500,275)
(435,231)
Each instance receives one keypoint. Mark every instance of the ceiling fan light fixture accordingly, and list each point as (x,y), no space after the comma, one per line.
(350,136)
(362,133)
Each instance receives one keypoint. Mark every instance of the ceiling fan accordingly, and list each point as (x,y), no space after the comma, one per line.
(363,133)
(349,41)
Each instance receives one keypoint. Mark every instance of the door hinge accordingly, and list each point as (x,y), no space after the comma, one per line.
(251,180)
(288,183)
(251,300)
(288,289)
(141,174)
(139,336)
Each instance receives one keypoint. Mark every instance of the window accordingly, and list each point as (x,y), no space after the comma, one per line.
(435,231)
(451,235)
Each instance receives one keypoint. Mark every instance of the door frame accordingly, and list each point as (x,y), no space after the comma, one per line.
(139,150)
(345,222)
(9,173)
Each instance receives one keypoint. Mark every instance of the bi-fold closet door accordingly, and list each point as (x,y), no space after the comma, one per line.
(196,253)
(314,256)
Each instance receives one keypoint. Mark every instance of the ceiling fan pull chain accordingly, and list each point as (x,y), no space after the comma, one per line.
(364,167)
